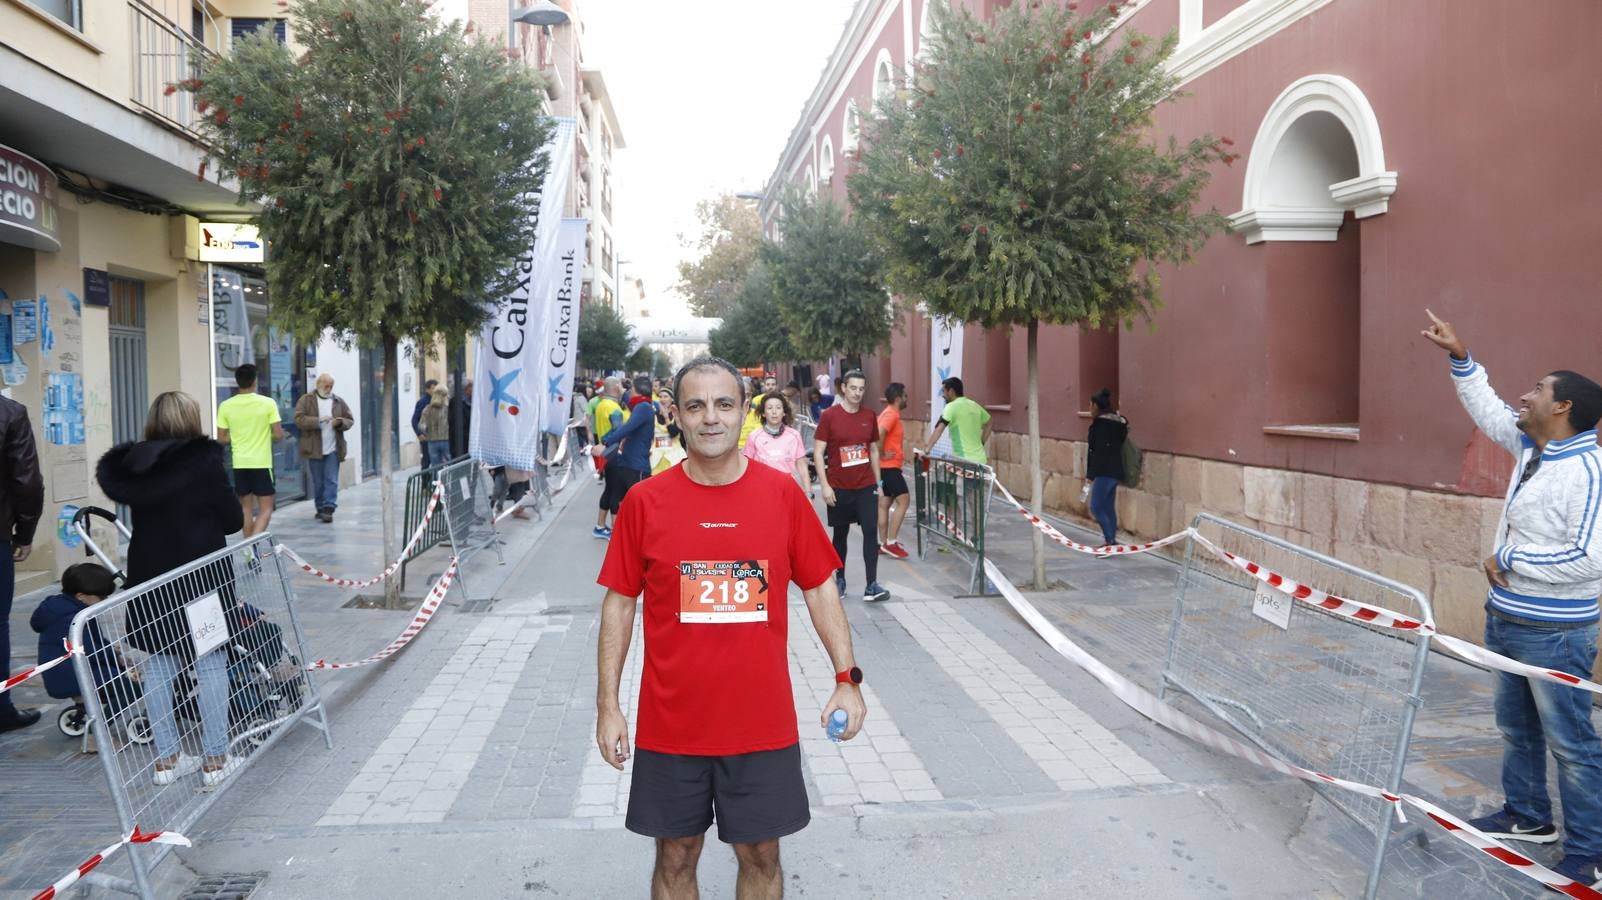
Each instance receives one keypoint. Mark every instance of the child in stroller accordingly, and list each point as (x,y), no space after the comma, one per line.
(116,681)
(264,681)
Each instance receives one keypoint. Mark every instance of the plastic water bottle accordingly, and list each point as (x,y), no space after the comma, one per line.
(837,725)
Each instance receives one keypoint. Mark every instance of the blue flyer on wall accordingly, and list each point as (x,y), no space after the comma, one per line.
(6,356)
(24,322)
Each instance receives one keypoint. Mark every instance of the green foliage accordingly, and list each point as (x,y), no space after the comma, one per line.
(394,160)
(604,342)
(1020,183)
(650,360)
(829,281)
(730,239)
(753,333)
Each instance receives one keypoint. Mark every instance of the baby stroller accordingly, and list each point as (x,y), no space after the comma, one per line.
(265,681)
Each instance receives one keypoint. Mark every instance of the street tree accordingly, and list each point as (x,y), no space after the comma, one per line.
(753,333)
(728,244)
(829,281)
(393,161)
(1015,181)
(604,342)
(650,361)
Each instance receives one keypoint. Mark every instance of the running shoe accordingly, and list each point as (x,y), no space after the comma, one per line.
(602,534)
(894,549)
(182,767)
(839,581)
(875,593)
(1505,825)
(1584,869)
(213,777)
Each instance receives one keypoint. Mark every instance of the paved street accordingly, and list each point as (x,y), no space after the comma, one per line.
(988,766)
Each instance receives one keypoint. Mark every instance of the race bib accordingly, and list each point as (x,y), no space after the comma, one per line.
(723,593)
(853,455)
(662,441)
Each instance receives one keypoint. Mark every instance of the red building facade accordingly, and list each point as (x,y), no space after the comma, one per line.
(1396,155)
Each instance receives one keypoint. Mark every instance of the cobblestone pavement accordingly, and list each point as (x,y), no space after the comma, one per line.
(989,766)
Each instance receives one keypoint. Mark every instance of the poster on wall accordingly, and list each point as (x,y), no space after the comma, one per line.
(24,322)
(945,361)
(7,356)
(63,408)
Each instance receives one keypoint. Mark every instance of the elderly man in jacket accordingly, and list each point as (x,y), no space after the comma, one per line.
(21,502)
(1545,573)
(323,418)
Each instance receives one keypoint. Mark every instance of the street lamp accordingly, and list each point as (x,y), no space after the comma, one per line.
(543,13)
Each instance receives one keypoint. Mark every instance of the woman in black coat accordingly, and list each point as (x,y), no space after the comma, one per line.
(183,506)
(1104,466)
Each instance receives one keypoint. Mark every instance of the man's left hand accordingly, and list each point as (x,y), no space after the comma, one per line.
(849,698)
(1494,572)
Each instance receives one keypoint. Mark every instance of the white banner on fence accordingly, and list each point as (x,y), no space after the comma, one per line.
(945,361)
(561,326)
(509,390)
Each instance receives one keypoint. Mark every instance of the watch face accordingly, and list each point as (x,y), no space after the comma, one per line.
(856,675)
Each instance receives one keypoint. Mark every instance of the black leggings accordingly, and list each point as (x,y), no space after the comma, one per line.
(860,507)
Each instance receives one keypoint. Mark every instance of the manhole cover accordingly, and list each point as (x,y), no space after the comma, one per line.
(229,886)
(376,601)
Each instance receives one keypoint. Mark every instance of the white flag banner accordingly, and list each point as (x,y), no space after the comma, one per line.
(945,361)
(561,325)
(508,388)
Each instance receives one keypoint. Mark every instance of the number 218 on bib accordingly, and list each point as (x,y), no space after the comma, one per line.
(722,593)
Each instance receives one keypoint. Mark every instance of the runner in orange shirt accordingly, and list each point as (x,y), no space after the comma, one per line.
(893,495)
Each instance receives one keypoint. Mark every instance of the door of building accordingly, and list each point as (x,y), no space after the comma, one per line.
(130,378)
(371,367)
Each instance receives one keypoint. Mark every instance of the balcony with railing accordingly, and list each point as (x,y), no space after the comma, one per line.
(164,53)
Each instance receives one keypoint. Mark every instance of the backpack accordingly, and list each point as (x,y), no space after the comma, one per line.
(1132,461)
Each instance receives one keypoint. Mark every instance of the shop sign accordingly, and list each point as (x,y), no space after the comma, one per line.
(230,242)
(27,202)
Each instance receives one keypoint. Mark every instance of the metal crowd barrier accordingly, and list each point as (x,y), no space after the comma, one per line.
(469,514)
(951,500)
(808,430)
(1319,690)
(419,489)
(244,683)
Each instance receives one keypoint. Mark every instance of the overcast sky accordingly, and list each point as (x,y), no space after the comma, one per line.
(706,93)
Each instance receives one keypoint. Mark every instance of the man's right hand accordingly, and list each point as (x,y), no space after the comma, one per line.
(612,736)
(1444,336)
(828,494)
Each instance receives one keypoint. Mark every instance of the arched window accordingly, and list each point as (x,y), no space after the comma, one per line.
(884,78)
(926,29)
(809,181)
(826,161)
(851,131)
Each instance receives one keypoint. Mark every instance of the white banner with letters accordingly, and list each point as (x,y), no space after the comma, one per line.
(509,388)
(561,325)
(945,361)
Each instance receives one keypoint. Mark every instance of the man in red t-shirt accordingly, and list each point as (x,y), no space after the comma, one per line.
(893,494)
(847,443)
(714,544)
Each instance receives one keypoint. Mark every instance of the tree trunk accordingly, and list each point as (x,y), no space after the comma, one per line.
(1037,491)
(386,467)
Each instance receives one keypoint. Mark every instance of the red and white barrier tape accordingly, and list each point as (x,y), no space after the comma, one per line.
(1148,705)
(40,669)
(1110,550)
(425,612)
(136,837)
(422,529)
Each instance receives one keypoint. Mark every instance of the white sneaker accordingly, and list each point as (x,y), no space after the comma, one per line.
(213,777)
(185,765)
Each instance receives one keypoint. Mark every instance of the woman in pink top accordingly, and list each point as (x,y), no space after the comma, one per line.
(777,443)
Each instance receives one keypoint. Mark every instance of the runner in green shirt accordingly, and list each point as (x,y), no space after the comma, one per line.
(969,423)
(249,424)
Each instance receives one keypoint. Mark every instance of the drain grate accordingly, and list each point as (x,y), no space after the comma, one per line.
(227,886)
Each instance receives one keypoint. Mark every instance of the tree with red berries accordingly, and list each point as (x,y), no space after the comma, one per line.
(393,165)
(1015,180)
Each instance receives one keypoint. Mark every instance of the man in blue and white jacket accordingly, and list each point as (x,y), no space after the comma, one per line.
(1545,576)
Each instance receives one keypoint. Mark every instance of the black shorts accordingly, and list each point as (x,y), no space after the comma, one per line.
(257,482)
(854,507)
(753,797)
(893,483)
(619,479)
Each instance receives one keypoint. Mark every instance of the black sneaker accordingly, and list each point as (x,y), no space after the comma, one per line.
(839,581)
(1584,869)
(1505,825)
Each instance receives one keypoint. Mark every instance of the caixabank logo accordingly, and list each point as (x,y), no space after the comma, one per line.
(501,396)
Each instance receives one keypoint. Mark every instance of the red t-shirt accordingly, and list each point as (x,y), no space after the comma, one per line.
(715,564)
(849,437)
